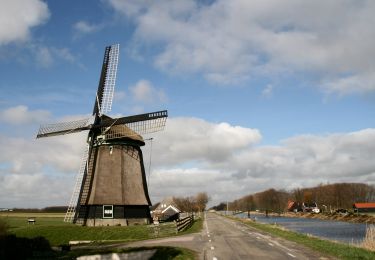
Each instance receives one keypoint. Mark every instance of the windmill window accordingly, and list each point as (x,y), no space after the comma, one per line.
(107,211)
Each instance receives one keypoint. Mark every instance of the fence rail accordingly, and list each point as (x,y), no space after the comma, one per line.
(184,223)
(164,229)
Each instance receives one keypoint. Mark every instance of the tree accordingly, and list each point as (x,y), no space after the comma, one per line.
(201,200)
(220,207)
(185,204)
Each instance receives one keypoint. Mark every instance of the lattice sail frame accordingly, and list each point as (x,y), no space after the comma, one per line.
(134,129)
(110,79)
(62,128)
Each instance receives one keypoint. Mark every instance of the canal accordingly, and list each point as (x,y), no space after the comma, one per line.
(328,229)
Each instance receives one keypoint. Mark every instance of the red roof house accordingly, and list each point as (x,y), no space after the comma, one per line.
(364,207)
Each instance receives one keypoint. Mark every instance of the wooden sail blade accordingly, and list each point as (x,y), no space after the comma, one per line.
(134,119)
(104,95)
(149,126)
(63,128)
(141,124)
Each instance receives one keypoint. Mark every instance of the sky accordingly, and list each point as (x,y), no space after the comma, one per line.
(260,94)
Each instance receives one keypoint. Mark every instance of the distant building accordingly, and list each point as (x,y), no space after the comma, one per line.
(294,206)
(310,207)
(167,210)
(365,207)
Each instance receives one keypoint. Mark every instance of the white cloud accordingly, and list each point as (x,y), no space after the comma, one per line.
(21,115)
(229,41)
(120,95)
(143,91)
(267,91)
(17,17)
(46,56)
(192,139)
(30,156)
(65,54)
(190,156)
(300,161)
(37,190)
(85,27)
(38,173)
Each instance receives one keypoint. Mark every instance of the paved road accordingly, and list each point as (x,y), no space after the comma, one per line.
(228,239)
(223,238)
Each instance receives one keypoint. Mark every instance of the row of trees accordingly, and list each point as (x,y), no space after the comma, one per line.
(52,209)
(327,196)
(195,203)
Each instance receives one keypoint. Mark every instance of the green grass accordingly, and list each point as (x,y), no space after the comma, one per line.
(58,232)
(33,239)
(342,251)
(196,227)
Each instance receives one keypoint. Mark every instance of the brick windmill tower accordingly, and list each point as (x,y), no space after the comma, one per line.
(111,186)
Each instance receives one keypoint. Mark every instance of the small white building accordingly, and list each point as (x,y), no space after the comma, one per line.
(167,210)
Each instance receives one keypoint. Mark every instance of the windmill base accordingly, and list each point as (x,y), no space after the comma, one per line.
(113,215)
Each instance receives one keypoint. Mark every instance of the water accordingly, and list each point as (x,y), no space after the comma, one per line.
(328,229)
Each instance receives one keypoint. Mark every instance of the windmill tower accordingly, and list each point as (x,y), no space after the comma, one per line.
(111,186)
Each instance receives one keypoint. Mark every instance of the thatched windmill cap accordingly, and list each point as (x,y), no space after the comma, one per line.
(123,132)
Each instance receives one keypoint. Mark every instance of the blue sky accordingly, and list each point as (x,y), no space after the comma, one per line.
(260,94)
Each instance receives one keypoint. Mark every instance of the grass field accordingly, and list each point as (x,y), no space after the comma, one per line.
(28,214)
(51,227)
(57,232)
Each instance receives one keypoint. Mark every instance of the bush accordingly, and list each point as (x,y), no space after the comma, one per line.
(3,228)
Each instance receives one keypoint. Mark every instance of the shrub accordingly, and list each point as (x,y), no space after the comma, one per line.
(369,241)
(3,228)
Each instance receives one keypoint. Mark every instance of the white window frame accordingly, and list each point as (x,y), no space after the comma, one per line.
(107,209)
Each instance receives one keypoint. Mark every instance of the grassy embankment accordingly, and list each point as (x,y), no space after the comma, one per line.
(51,227)
(339,250)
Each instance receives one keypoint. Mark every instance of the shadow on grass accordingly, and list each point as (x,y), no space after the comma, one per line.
(12,247)
(162,252)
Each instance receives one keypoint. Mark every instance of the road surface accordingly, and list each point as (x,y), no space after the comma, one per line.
(228,239)
(223,238)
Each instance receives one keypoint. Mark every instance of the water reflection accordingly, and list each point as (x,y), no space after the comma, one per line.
(329,229)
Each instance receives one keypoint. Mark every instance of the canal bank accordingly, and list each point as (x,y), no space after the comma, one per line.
(345,217)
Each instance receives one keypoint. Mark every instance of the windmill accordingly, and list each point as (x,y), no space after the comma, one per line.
(111,186)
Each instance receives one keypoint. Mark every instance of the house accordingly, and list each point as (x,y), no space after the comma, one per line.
(364,207)
(310,207)
(293,206)
(167,210)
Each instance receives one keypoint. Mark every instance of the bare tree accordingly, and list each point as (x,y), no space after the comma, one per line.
(201,200)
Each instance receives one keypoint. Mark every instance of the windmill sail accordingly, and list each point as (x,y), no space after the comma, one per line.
(106,88)
(70,213)
(140,124)
(63,128)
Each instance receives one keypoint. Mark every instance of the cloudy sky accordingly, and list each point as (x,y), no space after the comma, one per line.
(260,94)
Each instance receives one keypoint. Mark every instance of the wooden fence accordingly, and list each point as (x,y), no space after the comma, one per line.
(184,223)
(170,228)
